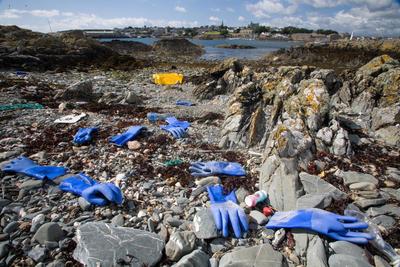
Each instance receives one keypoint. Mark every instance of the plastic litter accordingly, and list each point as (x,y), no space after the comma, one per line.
(26,166)
(268,211)
(177,128)
(216,168)
(184,103)
(173,162)
(128,135)
(103,194)
(20,106)
(258,197)
(84,135)
(176,131)
(167,78)
(381,245)
(70,118)
(338,227)
(21,73)
(76,184)
(153,117)
(227,212)
(94,192)
(177,123)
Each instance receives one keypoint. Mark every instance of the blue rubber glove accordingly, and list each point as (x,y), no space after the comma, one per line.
(184,103)
(177,123)
(176,131)
(130,134)
(76,184)
(335,226)
(28,167)
(84,135)
(103,194)
(227,212)
(216,168)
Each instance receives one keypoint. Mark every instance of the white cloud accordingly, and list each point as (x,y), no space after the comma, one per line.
(16,13)
(266,8)
(9,14)
(180,9)
(215,9)
(229,9)
(214,19)
(241,18)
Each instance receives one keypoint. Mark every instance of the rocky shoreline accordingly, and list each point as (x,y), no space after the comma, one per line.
(310,137)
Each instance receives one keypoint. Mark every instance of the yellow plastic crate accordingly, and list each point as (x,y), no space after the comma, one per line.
(167,78)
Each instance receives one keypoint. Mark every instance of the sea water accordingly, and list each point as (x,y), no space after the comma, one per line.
(212,52)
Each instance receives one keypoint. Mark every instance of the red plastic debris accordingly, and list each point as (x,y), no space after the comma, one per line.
(268,211)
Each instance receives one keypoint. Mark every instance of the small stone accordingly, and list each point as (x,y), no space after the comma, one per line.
(363,186)
(366,203)
(217,245)
(340,260)
(37,221)
(49,232)
(4,248)
(4,202)
(151,226)
(163,233)
(84,204)
(11,227)
(50,245)
(56,263)
(31,184)
(384,221)
(389,183)
(380,262)
(389,209)
(142,213)
(118,220)
(204,225)
(352,177)
(134,145)
(258,217)
(347,248)
(180,244)
(194,259)
(38,254)
(391,193)
(262,255)
(369,194)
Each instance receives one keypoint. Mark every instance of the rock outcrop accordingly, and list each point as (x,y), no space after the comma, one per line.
(24,49)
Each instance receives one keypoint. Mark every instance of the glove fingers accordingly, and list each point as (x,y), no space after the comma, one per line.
(243,220)
(356,240)
(225,222)
(98,201)
(347,219)
(356,225)
(198,164)
(358,234)
(234,219)
(217,218)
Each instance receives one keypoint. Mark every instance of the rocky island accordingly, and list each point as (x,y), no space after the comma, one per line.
(308,133)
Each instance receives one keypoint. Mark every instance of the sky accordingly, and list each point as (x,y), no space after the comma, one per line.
(363,17)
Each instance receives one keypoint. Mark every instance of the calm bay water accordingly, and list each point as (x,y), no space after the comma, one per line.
(213,53)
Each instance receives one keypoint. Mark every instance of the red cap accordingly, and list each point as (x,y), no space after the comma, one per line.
(267,211)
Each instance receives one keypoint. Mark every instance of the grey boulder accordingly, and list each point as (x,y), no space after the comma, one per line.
(204,225)
(258,256)
(195,259)
(101,243)
(341,260)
